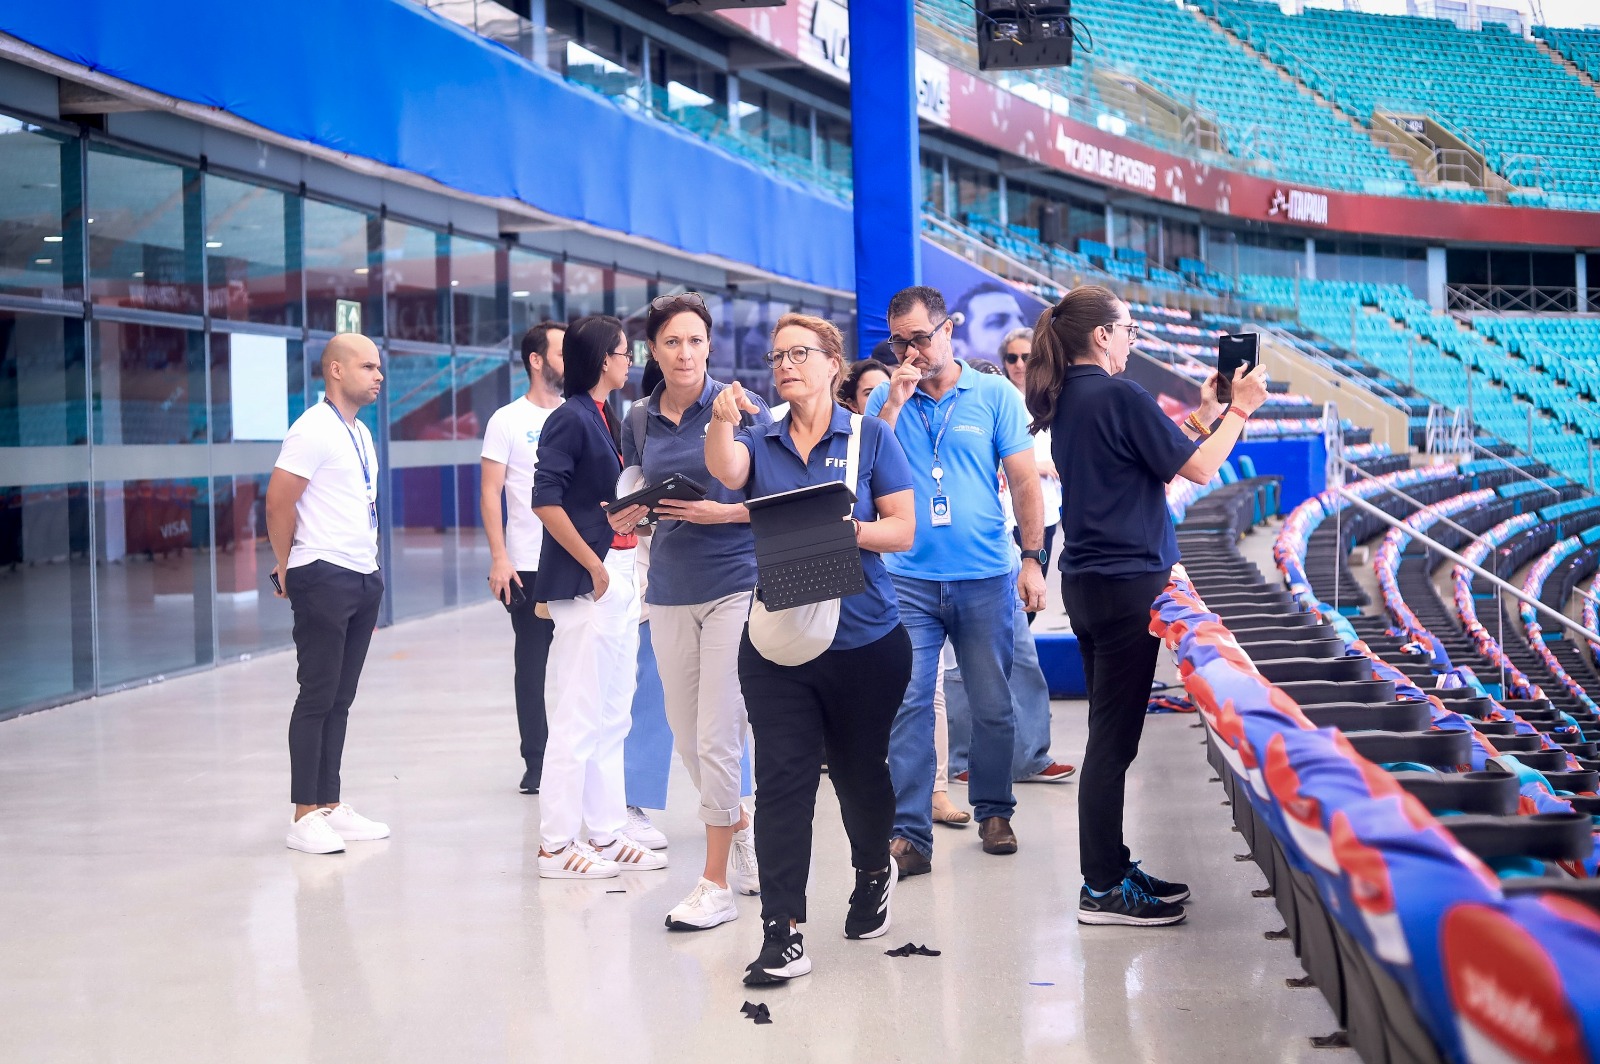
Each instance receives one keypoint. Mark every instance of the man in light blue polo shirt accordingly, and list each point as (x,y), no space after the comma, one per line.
(956,426)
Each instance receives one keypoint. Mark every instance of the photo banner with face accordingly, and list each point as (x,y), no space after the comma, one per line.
(989,306)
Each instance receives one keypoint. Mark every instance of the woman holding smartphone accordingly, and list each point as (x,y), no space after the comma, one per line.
(586,576)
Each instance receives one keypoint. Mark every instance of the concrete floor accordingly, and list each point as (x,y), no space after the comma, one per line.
(152,913)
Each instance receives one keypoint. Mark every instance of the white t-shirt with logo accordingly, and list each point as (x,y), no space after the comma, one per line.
(512,439)
(333,520)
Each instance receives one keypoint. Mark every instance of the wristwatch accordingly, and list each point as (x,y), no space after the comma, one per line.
(1037,555)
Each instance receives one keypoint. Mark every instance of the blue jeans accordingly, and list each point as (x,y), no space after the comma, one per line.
(1030,700)
(976,616)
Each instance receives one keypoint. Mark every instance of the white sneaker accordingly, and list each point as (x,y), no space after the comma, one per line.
(744,875)
(706,906)
(575,861)
(643,832)
(630,856)
(311,834)
(353,827)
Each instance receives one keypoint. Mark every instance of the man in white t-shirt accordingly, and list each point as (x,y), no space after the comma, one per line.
(510,456)
(322,521)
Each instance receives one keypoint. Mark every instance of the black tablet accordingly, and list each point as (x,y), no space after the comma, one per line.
(677,486)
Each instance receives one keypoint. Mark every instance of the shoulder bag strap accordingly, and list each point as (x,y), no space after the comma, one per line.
(852,454)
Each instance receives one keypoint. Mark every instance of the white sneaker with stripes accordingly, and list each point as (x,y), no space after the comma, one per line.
(631,856)
(575,861)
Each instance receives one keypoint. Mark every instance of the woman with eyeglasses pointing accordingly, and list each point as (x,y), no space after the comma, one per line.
(702,570)
(838,704)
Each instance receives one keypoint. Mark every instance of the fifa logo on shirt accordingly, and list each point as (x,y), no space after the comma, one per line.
(834,463)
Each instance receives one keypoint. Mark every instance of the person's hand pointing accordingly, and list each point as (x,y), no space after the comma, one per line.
(732,403)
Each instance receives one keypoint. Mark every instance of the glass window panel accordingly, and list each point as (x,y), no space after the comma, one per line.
(414,269)
(153,586)
(630,298)
(425,446)
(480,316)
(585,290)
(337,265)
(535,292)
(724,345)
(249,272)
(144,245)
(40,254)
(248,617)
(149,385)
(45,642)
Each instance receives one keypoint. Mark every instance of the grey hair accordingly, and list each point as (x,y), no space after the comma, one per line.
(1012,337)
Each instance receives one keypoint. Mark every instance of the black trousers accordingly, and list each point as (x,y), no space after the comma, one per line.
(1111,618)
(335,610)
(531,655)
(839,708)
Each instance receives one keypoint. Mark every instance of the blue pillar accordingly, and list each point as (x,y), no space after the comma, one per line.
(885,172)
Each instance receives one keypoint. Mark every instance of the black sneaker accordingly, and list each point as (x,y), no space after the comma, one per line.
(1158,888)
(1126,903)
(530,782)
(783,955)
(869,903)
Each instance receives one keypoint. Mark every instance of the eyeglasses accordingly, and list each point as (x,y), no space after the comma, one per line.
(1012,358)
(796,355)
(1132,327)
(922,340)
(678,299)
(620,354)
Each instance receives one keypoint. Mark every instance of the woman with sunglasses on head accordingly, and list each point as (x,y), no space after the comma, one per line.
(839,704)
(1116,451)
(702,570)
(586,578)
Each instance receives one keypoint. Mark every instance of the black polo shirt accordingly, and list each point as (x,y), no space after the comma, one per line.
(1116,451)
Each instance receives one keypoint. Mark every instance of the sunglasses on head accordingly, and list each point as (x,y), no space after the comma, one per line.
(679,299)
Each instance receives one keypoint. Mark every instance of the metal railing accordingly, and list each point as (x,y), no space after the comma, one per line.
(1500,298)
(1432,544)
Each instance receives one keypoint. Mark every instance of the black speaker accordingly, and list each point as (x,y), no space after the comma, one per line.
(1021,34)
(1051,229)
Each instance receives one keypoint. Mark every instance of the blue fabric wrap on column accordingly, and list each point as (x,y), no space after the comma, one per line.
(883,143)
(389,80)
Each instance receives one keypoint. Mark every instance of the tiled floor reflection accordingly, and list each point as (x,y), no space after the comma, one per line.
(152,913)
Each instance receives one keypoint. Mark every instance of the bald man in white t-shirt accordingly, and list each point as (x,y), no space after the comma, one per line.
(322,521)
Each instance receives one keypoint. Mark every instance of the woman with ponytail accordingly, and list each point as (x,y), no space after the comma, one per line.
(1116,450)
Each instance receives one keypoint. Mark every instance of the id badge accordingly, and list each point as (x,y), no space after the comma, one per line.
(941,510)
(372,513)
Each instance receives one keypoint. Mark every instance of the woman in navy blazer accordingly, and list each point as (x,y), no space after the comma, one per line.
(586,577)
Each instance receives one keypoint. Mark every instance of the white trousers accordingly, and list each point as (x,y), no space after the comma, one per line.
(697,653)
(588,698)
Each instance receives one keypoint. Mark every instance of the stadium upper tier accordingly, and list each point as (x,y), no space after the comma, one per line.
(1266,121)
(1535,124)
(1580,46)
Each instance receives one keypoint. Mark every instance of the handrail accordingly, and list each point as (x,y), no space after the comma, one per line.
(1517,593)
(1322,358)
(1476,446)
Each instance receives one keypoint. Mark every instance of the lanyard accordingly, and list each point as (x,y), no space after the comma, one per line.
(361,453)
(938,471)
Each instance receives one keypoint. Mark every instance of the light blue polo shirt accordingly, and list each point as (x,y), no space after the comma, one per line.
(775,466)
(986,423)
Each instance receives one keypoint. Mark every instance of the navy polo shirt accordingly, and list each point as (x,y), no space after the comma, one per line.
(1116,452)
(775,466)
(690,563)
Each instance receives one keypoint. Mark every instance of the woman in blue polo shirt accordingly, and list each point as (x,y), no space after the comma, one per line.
(1116,450)
(702,569)
(840,705)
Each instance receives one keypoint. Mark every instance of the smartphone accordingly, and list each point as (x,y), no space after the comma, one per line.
(516,598)
(1235,350)
(273,576)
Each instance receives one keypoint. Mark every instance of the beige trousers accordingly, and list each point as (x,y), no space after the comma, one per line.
(697,655)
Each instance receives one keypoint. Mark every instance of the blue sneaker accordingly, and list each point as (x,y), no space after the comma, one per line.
(1158,888)
(1126,903)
